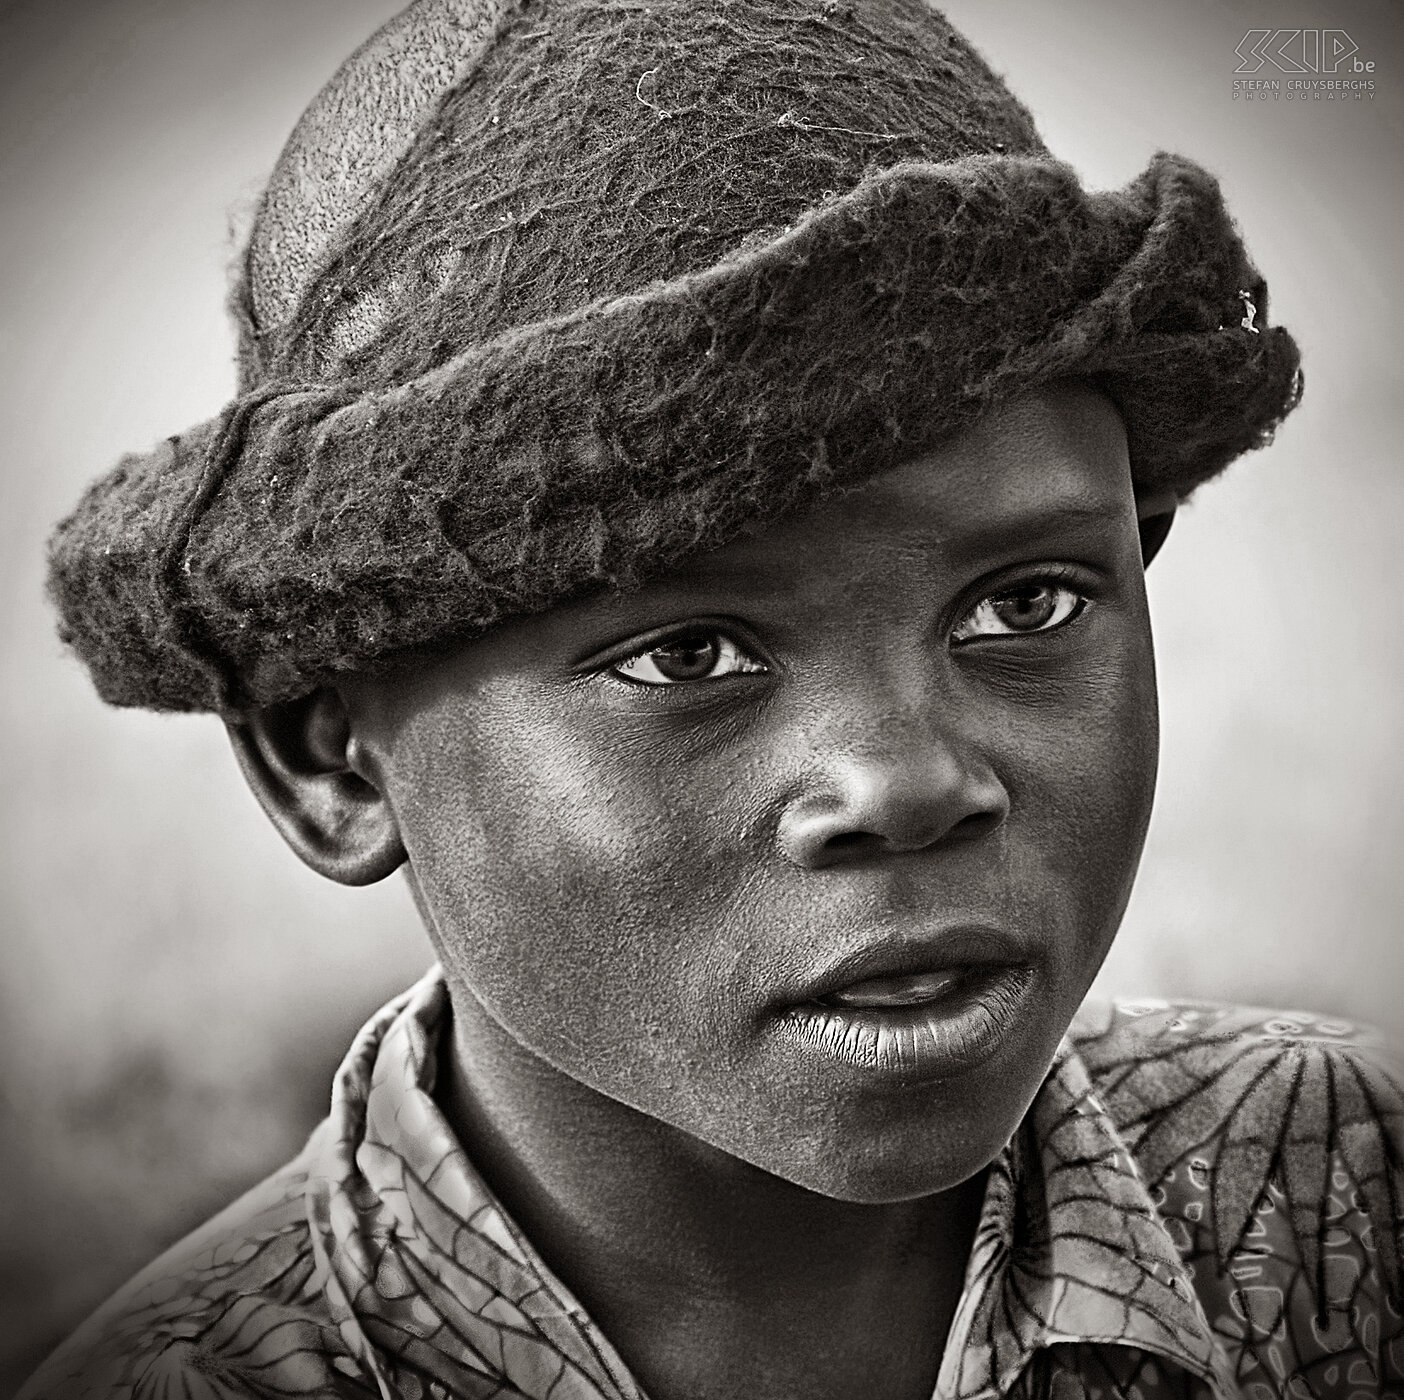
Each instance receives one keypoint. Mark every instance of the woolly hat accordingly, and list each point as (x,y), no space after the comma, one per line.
(545,295)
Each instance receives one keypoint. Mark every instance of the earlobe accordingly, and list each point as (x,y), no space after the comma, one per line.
(297,757)
(1155,514)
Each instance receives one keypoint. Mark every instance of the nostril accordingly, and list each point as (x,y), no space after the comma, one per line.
(977,824)
(857,841)
(848,840)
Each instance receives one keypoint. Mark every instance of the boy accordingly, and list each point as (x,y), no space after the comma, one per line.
(686,504)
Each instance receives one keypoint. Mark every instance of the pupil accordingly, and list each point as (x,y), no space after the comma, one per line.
(687,659)
(1026,610)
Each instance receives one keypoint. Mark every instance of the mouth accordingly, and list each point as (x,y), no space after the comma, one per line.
(916,1013)
(875,993)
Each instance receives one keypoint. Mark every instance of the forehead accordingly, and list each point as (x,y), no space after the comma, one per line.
(1051,463)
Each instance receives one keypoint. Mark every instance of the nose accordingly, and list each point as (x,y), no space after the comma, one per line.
(907,783)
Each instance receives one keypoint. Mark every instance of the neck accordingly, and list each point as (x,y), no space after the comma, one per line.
(709,1276)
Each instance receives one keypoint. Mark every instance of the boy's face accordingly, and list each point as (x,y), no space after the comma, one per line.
(811,849)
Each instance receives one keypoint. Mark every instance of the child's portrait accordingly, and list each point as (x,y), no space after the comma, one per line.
(751,731)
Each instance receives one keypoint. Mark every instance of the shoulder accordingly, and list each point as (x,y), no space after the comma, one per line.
(1272,1144)
(1180,1076)
(235,1309)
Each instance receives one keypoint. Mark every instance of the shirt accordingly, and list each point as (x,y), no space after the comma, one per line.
(1203,1201)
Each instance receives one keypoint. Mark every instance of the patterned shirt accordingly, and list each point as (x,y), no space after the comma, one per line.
(1202,1202)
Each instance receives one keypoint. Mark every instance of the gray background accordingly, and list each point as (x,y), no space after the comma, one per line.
(176,989)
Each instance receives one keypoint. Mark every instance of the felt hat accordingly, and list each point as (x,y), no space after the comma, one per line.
(544,296)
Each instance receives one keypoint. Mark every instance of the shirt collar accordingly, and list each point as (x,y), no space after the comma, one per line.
(1070,1249)
(420,1262)
(412,1244)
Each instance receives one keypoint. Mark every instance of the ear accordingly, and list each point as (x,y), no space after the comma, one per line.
(1155,514)
(301,760)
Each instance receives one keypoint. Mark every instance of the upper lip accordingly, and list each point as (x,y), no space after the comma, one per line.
(898,955)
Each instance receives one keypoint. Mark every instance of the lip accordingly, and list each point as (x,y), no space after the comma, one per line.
(896,956)
(914,1010)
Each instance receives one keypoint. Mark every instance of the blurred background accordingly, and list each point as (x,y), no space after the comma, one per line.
(176,989)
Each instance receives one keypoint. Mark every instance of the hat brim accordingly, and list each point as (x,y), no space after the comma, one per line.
(318,529)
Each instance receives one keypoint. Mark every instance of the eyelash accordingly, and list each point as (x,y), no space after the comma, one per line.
(1059,582)
(726,649)
(1067,596)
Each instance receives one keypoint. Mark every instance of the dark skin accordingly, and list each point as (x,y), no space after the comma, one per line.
(649,832)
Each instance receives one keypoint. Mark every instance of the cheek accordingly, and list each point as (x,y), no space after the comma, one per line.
(583,893)
(1082,798)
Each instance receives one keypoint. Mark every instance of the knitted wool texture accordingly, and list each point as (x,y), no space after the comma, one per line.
(546,296)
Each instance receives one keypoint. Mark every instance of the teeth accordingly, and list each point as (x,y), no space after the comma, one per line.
(895,991)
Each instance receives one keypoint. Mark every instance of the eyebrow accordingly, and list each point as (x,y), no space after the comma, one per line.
(1035,523)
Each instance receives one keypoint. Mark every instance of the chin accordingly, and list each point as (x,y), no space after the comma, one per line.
(881,1158)
(884,1183)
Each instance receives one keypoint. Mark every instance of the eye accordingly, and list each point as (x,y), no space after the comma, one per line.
(1038,605)
(695,656)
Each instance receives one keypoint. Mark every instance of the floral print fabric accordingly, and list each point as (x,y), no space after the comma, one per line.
(1202,1202)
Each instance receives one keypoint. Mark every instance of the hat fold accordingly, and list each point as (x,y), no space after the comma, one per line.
(317,529)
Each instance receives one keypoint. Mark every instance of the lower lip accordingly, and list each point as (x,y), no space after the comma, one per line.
(957,1029)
